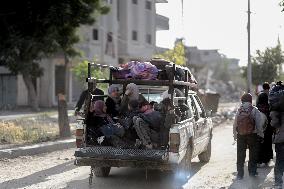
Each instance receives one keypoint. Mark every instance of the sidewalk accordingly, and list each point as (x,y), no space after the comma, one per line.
(34,149)
(45,117)
(12,115)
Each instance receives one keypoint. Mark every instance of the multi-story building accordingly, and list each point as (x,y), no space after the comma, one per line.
(138,23)
(127,32)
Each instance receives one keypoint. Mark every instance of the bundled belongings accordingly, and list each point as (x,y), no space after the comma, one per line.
(136,70)
(276,97)
(165,72)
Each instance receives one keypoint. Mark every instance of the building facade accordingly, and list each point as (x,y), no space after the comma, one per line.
(127,32)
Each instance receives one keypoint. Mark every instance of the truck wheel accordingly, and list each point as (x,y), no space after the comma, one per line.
(101,171)
(205,156)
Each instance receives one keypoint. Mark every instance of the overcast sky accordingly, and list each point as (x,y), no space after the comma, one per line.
(221,24)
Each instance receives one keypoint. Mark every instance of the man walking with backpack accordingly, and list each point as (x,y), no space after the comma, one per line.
(247,130)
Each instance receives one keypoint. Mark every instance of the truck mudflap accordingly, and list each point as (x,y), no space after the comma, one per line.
(108,152)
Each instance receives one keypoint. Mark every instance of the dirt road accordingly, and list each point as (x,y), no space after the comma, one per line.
(56,170)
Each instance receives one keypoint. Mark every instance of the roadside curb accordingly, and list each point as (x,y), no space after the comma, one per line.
(37,148)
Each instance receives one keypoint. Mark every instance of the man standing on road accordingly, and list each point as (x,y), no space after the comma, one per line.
(84,96)
(276,100)
(266,152)
(247,129)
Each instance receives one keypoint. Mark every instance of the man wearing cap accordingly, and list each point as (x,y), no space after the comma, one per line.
(247,130)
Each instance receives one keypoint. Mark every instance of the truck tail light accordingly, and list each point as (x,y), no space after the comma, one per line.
(174,142)
(79,132)
(79,138)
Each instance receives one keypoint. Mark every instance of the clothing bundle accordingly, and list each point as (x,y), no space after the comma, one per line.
(136,70)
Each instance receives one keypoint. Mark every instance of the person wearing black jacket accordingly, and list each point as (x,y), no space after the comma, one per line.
(265,151)
(84,96)
(148,125)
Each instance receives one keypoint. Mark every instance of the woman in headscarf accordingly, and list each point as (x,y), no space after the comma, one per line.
(113,101)
(99,109)
(103,122)
(131,94)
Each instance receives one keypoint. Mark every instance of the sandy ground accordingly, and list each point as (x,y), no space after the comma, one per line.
(56,170)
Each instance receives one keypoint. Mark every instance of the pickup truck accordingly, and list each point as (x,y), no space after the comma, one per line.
(188,137)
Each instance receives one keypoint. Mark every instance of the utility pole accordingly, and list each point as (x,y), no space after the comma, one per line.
(249,72)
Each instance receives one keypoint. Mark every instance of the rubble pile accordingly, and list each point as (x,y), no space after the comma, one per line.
(228,91)
(219,118)
(226,111)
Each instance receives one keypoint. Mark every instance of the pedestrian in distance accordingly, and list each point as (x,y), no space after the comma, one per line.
(247,131)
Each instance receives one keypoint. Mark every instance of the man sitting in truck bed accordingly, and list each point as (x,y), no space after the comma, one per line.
(147,126)
(131,93)
(84,95)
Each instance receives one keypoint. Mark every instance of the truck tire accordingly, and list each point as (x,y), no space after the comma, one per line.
(101,171)
(205,156)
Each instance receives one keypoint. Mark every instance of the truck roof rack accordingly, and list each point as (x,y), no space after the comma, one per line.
(161,64)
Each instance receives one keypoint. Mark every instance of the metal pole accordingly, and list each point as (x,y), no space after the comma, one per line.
(249,72)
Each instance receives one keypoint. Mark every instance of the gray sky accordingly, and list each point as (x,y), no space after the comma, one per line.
(221,24)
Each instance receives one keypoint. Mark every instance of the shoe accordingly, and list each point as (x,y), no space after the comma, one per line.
(239,177)
(138,143)
(260,165)
(149,146)
(253,174)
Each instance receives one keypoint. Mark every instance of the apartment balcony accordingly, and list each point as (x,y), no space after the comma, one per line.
(162,22)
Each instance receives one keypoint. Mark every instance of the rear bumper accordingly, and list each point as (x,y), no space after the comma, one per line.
(124,163)
(106,156)
(108,152)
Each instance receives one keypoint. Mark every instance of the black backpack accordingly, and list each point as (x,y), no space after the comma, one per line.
(276,98)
